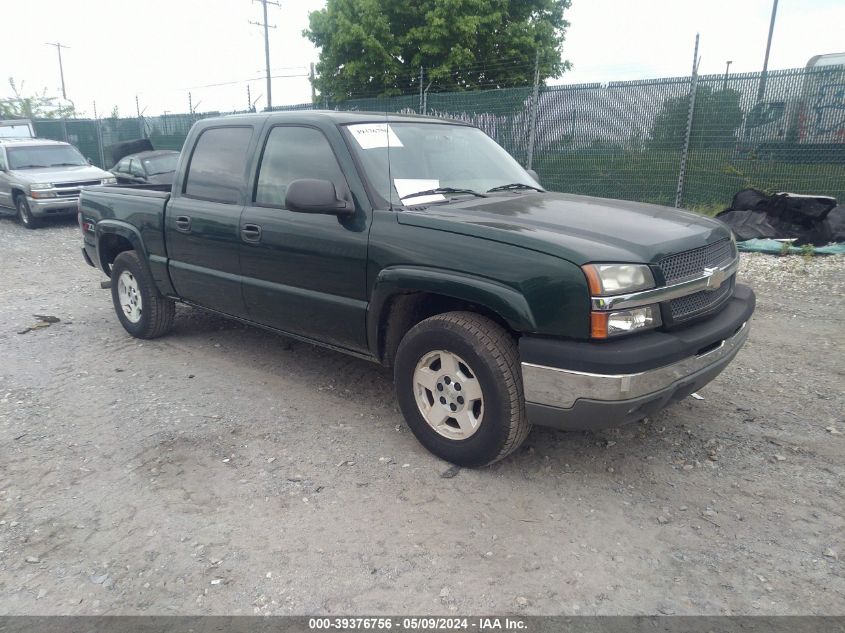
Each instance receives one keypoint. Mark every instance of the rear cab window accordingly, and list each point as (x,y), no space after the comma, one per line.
(216,169)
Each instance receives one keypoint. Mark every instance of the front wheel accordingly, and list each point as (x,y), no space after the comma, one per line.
(25,216)
(142,310)
(459,387)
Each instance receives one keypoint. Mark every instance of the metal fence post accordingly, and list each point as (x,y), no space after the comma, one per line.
(421,90)
(142,130)
(535,102)
(682,172)
(100,144)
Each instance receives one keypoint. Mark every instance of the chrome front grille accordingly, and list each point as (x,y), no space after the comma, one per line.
(72,188)
(689,306)
(690,264)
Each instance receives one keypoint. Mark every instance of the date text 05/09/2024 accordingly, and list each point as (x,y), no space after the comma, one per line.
(418,623)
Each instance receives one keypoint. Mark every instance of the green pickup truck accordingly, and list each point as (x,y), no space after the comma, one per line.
(419,243)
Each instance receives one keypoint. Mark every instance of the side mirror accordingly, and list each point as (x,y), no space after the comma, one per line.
(308,195)
(534,175)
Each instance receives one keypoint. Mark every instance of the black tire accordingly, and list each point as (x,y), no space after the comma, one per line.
(157,311)
(491,353)
(25,216)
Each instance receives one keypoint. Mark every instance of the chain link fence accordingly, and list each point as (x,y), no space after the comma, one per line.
(779,131)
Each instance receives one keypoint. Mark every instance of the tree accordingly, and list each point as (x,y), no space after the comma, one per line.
(376,47)
(716,118)
(37,106)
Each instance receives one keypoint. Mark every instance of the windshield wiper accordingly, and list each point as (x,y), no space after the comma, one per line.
(67,165)
(514,186)
(28,166)
(431,192)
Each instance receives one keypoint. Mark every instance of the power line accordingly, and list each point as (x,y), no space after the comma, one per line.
(239,81)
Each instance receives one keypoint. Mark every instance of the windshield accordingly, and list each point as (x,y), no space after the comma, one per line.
(161,164)
(15,130)
(44,156)
(426,156)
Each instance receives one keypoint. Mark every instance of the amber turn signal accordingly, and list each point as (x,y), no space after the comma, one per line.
(593,279)
(598,324)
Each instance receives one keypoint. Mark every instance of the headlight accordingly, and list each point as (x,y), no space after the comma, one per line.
(614,279)
(608,324)
(41,185)
(108,181)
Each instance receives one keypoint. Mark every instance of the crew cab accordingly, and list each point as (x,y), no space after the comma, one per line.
(419,243)
(41,178)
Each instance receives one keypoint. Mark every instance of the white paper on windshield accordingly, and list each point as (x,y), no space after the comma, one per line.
(407,186)
(373,135)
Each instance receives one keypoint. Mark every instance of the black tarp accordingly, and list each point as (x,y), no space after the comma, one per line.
(806,219)
(836,220)
(117,151)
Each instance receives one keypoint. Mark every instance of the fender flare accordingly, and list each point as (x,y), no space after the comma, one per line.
(124,230)
(503,300)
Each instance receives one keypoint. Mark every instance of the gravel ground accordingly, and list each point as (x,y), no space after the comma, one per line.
(226,470)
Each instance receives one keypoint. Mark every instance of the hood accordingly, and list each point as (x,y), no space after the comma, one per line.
(60,174)
(580,229)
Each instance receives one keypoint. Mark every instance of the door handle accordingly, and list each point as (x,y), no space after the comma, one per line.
(251,233)
(183,223)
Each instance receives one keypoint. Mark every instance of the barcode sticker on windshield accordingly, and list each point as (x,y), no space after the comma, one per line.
(374,135)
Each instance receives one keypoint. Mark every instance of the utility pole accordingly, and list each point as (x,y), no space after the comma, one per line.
(727,69)
(59,46)
(762,88)
(266,26)
(313,87)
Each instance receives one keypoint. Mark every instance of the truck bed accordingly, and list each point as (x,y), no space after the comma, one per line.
(135,212)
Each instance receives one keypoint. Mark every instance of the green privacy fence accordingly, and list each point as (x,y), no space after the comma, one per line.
(782,131)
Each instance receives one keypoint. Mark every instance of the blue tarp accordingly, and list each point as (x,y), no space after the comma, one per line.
(775,247)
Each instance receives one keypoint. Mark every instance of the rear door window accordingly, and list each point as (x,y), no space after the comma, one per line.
(216,170)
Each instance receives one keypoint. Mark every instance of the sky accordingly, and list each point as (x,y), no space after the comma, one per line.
(162,50)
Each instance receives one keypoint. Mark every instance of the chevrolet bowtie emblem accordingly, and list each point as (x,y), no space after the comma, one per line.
(715,277)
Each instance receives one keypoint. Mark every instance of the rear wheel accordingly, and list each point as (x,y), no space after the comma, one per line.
(25,216)
(459,387)
(142,310)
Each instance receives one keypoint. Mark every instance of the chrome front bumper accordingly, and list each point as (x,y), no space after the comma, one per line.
(52,206)
(562,388)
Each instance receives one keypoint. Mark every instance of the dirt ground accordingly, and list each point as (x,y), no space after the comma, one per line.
(227,470)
